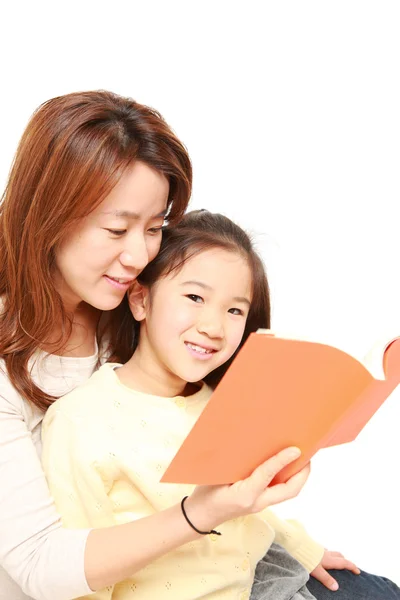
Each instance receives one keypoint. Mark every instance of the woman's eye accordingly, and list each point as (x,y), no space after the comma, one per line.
(155,230)
(235,311)
(117,232)
(194,298)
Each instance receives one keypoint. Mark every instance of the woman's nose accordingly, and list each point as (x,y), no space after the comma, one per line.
(135,254)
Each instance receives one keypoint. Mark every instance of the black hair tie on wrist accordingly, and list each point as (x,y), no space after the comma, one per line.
(191,524)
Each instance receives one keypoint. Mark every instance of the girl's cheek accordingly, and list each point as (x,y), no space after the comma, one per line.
(237,338)
(184,318)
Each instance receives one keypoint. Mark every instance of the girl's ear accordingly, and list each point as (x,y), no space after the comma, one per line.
(138,296)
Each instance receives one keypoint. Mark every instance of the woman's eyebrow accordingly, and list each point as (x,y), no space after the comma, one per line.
(132,215)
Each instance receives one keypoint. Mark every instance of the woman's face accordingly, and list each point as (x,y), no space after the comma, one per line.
(97,263)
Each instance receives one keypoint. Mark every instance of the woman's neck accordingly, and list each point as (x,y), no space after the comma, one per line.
(82,339)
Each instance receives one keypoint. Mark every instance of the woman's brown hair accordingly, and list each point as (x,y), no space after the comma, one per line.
(73,152)
(198,231)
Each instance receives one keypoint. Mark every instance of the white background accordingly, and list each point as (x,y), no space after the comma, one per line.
(290,111)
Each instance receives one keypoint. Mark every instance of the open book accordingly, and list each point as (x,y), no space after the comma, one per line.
(277,393)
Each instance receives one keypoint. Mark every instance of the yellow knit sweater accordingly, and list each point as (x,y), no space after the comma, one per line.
(105,447)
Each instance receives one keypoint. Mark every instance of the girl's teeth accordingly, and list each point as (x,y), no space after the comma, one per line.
(199,349)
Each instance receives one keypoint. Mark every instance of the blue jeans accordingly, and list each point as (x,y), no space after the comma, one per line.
(355,587)
(279,576)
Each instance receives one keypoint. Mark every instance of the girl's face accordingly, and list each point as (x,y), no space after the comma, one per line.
(194,319)
(98,262)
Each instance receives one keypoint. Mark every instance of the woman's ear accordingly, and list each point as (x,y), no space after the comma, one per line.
(138,296)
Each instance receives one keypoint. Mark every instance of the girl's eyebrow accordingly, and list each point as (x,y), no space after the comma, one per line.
(132,215)
(205,286)
(242,299)
(199,283)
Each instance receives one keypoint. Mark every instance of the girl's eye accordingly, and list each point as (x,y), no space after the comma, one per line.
(117,232)
(195,298)
(235,311)
(155,230)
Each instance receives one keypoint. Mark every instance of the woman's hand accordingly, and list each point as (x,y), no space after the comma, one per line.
(210,505)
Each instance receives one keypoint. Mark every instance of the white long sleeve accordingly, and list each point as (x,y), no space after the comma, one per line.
(39,559)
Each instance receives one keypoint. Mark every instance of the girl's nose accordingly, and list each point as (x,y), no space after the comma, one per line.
(212,327)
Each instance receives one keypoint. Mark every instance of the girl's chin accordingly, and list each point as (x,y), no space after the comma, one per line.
(199,376)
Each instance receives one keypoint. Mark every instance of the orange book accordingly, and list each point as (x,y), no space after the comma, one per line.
(277,393)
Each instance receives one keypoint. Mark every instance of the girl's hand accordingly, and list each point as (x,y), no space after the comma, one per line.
(332,560)
(210,505)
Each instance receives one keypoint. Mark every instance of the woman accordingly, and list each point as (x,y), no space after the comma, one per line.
(94,177)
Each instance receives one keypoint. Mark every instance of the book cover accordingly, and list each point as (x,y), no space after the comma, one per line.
(277,393)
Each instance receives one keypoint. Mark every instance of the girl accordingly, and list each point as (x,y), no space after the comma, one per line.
(107,443)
